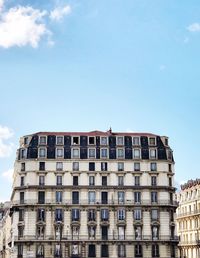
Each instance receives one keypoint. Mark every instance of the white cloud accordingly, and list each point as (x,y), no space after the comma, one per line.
(8,174)
(22,26)
(195,27)
(1,5)
(5,148)
(59,12)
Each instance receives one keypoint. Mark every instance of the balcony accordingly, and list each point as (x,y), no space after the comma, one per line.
(187,214)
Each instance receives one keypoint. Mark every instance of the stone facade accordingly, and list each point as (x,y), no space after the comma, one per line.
(94,194)
(188,219)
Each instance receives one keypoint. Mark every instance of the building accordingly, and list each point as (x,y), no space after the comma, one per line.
(94,194)
(188,219)
(5,230)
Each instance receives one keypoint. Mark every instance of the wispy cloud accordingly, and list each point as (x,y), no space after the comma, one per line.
(59,12)
(25,26)
(8,174)
(5,148)
(194,27)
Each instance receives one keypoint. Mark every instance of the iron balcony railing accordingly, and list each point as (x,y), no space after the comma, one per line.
(186,214)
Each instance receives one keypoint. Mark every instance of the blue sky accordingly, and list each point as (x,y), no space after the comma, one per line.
(83,65)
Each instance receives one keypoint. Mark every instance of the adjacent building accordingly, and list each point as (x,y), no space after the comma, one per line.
(94,194)
(188,219)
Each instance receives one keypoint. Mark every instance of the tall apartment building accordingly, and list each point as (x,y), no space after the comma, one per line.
(188,219)
(94,194)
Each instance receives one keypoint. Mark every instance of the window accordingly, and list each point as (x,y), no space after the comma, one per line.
(75,250)
(104,251)
(136,153)
(20,250)
(91,232)
(91,197)
(120,166)
(41,197)
(22,181)
(91,215)
(120,140)
(75,153)
(91,153)
(104,166)
(41,214)
(104,153)
(155,250)
(59,152)
(91,250)
(75,197)
(59,140)
(21,197)
(154,180)
(138,232)
(120,153)
(104,233)
(121,214)
(21,215)
(153,166)
(104,180)
(58,215)
(42,152)
(41,180)
(75,215)
(170,167)
(170,181)
(57,250)
(91,180)
(40,251)
(104,141)
(152,141)
(75,233)
(59,166)
(25,140)
(120,180)
(104,197)
(136,141)
(155,232)
(137,214)
(154,197)
(121,197)
(58,196)
(91,166)
(152,154)
(43,140)
(137,197)
(75,140)
(173,251)
(58,180)
(121,251)
(75,166)
(138,250)
(75,180)
(137,180)
(23,153)
(42,166)
(20,231)
(91,140)
(136,166)
(40,231)
(23,167)
(104,214)
(154,214)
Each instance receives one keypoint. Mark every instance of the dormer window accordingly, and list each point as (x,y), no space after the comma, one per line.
(104,141)
(43,140)
(59,140)
(75,140)
(152,141)
(136,141)
(91,140)
(120,140)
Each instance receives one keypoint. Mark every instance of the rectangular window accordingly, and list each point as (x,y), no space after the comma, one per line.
(104,141)
(75,197)
(75,140)
(92,153)
(155,233)
(91,197)
(121,214)
(136,166)
(120,166)
(58,180)
(22,181)
(91,140)
(121,233)
(91,166)
(58,215)
(120,180)
(136,141)
(41,197)
(153,166)
(75,215)
(104,180)
(154,214)
(138,232)
(91,250)
(154,197)
(136,153)
(170,181)
(42,152)
(152,154)
(21,197)
(40,251)
(59,140)
(104,153)
(152,141)
(121,251)
(120,140)
(59,166)
(20,250)
(25,140)
(58,196)
(43,140)
(138,250)
(120,153)
(137,214)
(23,153)
(104,197)
(137,197)
(75,180)
(57,251)
(91,215)
(91,180)
(75,153)
(154,180)
(104,166)
(42,166)
(23,166)
(75,166)
(41,214)
(59,152)
(137,180)
(170,167)
(104,233)
(104,251)
(121,197)
(21,215)
(104,214)
(20,231)
(41,180)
